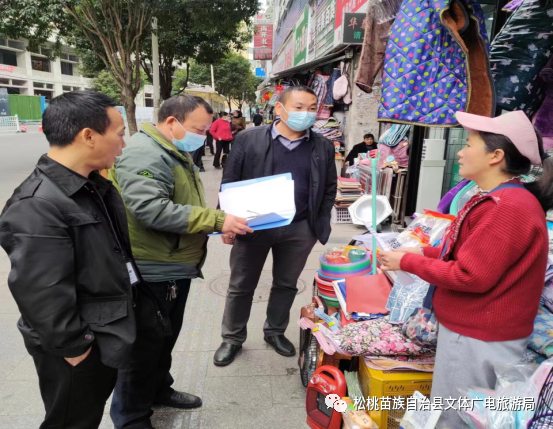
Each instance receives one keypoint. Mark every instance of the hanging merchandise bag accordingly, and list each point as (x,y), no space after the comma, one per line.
(341,90)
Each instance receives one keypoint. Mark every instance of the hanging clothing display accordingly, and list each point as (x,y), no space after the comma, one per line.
(372,54)
(517,55)
(542,120)
(425,78)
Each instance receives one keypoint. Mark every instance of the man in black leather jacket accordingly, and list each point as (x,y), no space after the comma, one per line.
(72,271)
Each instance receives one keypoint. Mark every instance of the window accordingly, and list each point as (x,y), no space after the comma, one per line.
(16,45)
(66,88)
(38,85)
(66,68)
(46,52)
(40,64)
(50,85)
(8,58)
(148,95)
(149,102)
(19,82)
(74,58)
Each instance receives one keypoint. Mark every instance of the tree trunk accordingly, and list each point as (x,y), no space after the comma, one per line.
(130,107)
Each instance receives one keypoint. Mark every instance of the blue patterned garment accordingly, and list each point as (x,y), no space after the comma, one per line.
(541,340)
(424,80)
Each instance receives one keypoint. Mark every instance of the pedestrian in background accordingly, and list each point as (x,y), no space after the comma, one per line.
(288,146)
(169,222)
(65,232)
(221,130)
(238,121)
(257,118)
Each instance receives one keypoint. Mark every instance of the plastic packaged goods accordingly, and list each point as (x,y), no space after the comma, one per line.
(423,231)
(516,384)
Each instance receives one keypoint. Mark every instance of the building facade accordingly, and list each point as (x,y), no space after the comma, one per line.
(35,73)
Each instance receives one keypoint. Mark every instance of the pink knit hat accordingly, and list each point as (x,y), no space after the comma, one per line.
(514,125)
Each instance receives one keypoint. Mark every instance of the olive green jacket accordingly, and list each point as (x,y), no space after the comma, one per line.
(166,208)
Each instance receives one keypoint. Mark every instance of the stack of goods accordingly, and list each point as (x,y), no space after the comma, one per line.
(349,191)
(340,263)
(329,128)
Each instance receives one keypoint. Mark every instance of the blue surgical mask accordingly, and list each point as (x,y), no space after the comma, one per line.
(300,121)
(190,142)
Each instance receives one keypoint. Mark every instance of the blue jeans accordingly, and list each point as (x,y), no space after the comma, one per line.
(147,378)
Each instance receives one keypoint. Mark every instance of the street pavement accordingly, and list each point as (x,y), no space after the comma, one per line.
(260,389)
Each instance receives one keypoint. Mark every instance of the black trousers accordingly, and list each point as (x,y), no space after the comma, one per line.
(209,143)
(223,148)
(197,157)
(147,378)
(74,397)
(291,245)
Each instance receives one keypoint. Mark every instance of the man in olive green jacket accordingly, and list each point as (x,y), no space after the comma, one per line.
(168,224)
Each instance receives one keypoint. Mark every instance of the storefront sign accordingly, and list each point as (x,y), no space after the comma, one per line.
(285,59)
(4,102)
(4,67)
(344,6)
(353,28)
(321,32)
(263,42)
(301,29)
(263,18)
(260,72)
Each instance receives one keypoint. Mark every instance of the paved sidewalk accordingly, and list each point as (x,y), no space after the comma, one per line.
(259,389)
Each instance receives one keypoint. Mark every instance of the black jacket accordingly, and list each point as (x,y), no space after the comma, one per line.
(68,243)
(359,148)
(251,157)
(257,119)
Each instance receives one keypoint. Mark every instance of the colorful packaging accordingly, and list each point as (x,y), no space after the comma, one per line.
(424,231)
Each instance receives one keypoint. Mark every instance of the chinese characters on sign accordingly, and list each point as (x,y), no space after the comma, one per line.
(263,42)
(300,50)
(321,34)
(4,67)
(394,403)
(354,28)
(4,102)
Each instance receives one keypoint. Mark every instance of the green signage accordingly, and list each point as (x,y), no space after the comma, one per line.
(455,176)
(300,48)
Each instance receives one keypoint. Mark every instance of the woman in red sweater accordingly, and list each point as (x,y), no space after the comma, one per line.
(490,279)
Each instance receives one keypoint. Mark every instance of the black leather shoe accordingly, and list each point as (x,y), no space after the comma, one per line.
(225,354)
(202,170)
(179,400)
(282,345)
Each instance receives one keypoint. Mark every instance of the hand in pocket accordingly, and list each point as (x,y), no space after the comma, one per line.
(77,360)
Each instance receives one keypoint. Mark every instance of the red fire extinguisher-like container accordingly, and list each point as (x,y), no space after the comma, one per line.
(326,380)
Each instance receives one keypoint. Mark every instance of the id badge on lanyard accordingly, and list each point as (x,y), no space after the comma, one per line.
(132,273)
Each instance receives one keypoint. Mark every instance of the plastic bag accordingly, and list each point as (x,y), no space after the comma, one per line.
(423,231)
(513,382)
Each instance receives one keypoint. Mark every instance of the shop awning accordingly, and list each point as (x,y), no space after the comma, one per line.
(346,53)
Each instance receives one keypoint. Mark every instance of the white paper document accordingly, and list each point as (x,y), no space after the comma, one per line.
(269,201)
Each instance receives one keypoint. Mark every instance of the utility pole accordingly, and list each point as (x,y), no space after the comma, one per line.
(155,66)
(212,79)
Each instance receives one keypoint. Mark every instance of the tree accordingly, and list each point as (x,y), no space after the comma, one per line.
(200,29)
(233,78)
(113,29)
(106,84)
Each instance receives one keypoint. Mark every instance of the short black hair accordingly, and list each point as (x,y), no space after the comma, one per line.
(70,113)
(223,114)
(180,106)
(301,88)
(368,136)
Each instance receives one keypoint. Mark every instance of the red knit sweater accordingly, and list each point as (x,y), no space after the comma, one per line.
(490,287)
